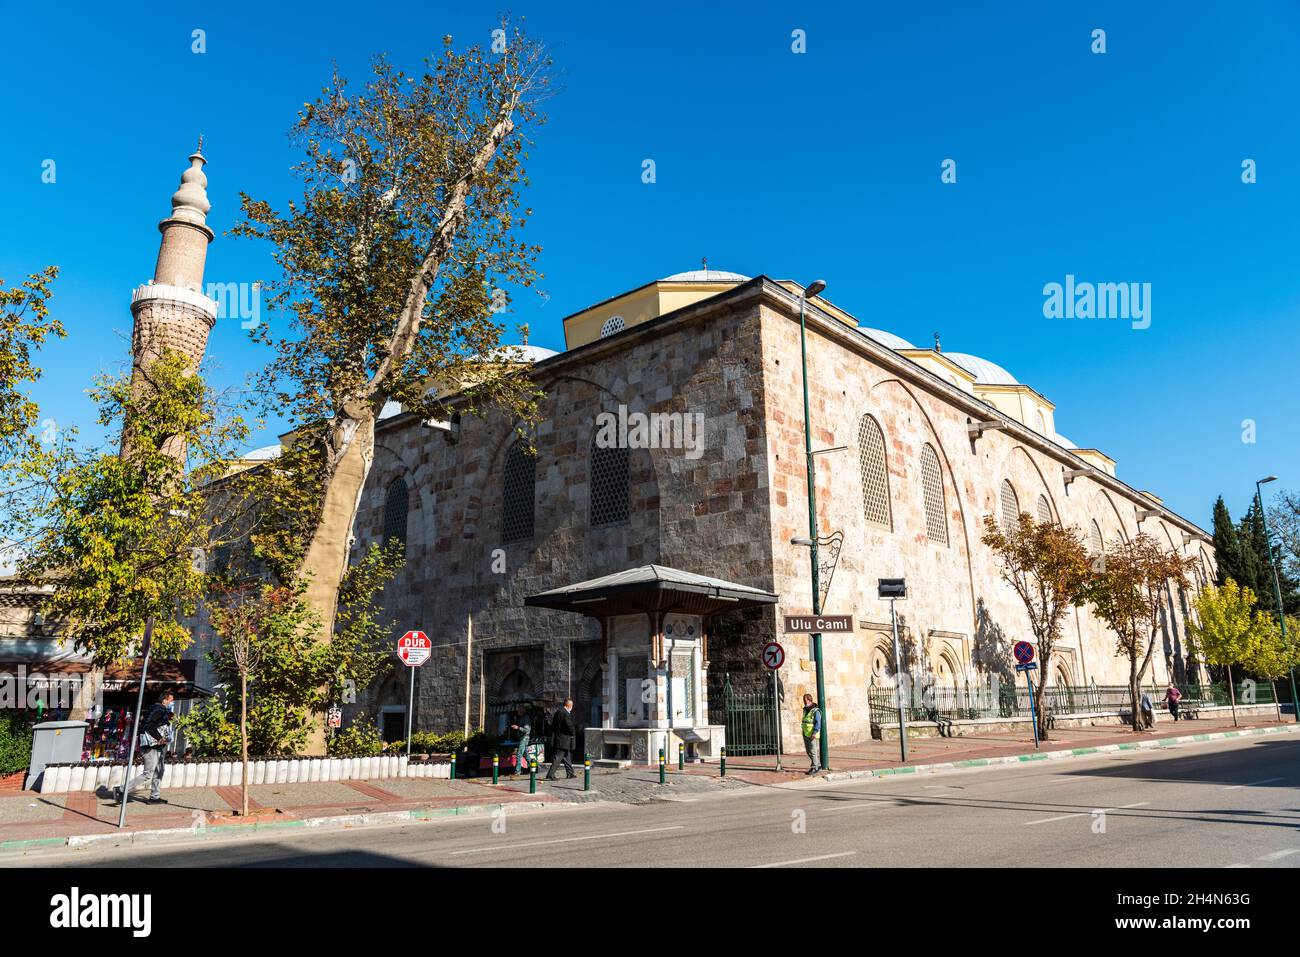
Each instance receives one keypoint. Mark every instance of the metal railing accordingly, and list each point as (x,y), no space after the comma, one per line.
(1003,700)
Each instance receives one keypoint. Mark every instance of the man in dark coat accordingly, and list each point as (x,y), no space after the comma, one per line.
(155,733)
(564,735)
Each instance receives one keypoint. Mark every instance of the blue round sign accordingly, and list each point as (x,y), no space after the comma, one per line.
(1024,652)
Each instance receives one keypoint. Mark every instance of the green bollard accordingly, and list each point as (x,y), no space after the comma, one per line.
(532,776)
(495,762)
(724,762)
(453,765)
(681,756)
(663,768)
(586,774)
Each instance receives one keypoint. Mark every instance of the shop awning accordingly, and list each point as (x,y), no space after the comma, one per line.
(651,588)
(177,677)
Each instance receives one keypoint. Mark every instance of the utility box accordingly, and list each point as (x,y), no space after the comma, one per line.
(55,742)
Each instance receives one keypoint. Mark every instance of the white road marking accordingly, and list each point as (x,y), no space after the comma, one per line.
(857,806)
(1278,855)
(803,860)
(1252,784)
(1062,817)
(1232,866)
(509,846)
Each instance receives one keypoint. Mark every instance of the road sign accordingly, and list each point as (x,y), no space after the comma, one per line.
(773,656)
(1031,666)
(414,648)
(335,718)
(823,624)
(1024,652)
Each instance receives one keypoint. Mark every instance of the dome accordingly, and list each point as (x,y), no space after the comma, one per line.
(264,454)
(706,275)
(887,339)
(528,353)
(985,372)
(1063,442)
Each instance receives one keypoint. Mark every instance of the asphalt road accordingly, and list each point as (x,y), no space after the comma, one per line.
(1230,804)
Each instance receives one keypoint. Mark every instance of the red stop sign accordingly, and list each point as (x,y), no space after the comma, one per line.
(414,648)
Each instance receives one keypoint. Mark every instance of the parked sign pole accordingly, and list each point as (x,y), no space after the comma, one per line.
(898,684)
(773,657)
(135,725)
(414,648)
(1024,655)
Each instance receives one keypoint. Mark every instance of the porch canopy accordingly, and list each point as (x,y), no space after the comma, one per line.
(649,589)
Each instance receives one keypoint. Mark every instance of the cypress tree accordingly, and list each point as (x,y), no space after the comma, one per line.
(1228,552)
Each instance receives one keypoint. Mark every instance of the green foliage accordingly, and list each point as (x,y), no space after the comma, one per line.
(292,676)
(25,324)
(1227,628)
(15,743)
(125,534)
(429,742)
(1275,655)
(360,739)
(209,731)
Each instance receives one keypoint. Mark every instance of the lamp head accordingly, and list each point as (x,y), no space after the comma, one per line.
(814,288)
(1263,481)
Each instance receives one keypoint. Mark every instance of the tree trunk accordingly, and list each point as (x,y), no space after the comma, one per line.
(1232,697)
(243,736)
(1134,693)
(352,444)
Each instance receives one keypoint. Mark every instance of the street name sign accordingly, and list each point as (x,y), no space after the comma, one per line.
(814,624)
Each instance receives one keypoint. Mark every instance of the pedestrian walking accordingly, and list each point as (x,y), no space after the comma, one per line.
(1172,697)
(155,734)
(1148,711)
(564,734)
(522,727)
(812,731)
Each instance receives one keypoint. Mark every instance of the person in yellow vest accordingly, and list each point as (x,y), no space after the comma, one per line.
(812,731)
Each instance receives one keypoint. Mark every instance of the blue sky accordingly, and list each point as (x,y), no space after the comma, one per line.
(1118,167)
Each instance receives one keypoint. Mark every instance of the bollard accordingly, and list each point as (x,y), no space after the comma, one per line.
(532,776)
(663,768)
(681,756)
(453,765)
(495,762)
(586,774)
(724,761)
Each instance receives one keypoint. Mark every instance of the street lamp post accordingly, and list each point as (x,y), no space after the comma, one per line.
(812,289)
(1277,584)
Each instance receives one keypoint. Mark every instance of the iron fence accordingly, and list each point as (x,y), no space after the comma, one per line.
(1004,700)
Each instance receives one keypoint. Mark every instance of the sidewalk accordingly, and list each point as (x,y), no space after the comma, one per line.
(29,820)
(884,755)
(52,818)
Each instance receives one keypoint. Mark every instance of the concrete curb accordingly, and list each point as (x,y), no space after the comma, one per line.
(1015,759)
(200,831)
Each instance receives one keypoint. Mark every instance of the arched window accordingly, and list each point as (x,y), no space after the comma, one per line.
(1040,422)
(1010,507)
(609,484)
(518,485)
(612,325)
(1044,510)
(1095,544)
(875,475)
(397,502)
(936,519)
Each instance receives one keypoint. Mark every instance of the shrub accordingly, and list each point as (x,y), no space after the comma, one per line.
(360,739)
(15,743)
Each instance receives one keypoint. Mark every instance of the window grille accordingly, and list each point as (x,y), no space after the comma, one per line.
(875,474)
(518,488)
(609,485)
(936,520)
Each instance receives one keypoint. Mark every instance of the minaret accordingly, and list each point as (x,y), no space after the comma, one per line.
(172,311)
